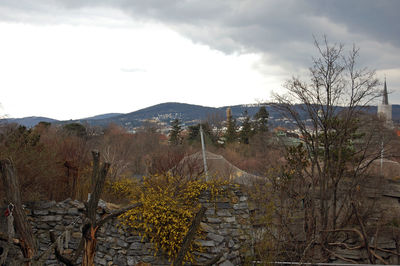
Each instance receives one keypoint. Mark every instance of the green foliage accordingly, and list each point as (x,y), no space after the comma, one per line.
(174,133)
(261,120)
(246,133)
(194,134)
(76,129)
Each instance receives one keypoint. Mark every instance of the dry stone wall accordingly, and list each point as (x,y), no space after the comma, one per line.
(225,226)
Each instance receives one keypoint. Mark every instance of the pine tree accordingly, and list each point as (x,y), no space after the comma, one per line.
(245,132)
(261,123)
(175,132)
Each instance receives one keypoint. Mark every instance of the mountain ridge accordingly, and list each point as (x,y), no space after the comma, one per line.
(166,112)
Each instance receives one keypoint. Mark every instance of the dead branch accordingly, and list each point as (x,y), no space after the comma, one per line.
(338,256)
(117,213)
(363,233)
(189,237)
(59,256)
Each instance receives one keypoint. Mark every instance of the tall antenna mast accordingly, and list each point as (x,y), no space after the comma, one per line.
(203,148)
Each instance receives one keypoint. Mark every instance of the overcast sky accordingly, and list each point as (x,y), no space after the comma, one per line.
(69,59)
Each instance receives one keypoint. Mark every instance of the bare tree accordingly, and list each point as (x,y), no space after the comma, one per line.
(337,146)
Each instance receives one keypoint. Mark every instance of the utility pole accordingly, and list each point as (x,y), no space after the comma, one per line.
(203,148)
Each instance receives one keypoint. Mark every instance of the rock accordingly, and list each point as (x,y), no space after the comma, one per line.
(77,204)
(216,238)
(136,245)
(206,228)
(73,211)
(76,234)
(206,243)
(51,218)
(68,251)
(43,226)
(100,261)
(223,205)
(58,211)
(240,206)
(230,243)
(213,220)
(131,261)
(44,204)
(210,211)
(133,239)
(122,243)
(230,219)
(40,212)
(223,213)
(227,263)
(243,198)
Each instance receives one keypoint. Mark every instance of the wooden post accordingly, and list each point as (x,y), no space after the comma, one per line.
(189,237)
(89,231)
(13,195)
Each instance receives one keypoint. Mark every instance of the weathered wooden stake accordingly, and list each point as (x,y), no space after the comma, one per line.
(13,195)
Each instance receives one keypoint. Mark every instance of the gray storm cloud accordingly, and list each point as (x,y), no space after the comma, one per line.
(281,30)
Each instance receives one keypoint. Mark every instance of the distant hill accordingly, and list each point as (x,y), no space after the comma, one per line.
(103,116)
(28,122)
(166,112)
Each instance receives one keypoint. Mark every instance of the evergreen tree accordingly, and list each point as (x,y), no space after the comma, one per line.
(230,134)
(245,132)
(261,120)
(194,134)
(175,132)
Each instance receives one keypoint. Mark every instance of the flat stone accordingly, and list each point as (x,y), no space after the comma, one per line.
(43,226)
(213,220)
(44,204)
(51,218)
(240,206)
(132,239)
(223,213)
(40,212)
(223,232)
(223,205)
(122,243)
(136,246)
(100,261)
(77,204)
(243,198)
(58,211)
(227,263)
(230,243)
(230,219)
(206,228)
(216,238)
(76,234)
(131,261)
(73,211)
(206,243)
(210,211)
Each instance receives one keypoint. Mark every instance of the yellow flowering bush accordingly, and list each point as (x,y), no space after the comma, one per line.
(169,205)
(122,191)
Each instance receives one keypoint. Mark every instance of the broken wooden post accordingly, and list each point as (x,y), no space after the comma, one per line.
(189,237)
(13,195)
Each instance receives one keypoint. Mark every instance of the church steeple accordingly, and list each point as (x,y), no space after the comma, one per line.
(385,109)
(385,99)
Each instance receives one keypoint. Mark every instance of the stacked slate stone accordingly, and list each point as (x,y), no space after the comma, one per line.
(225,226)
